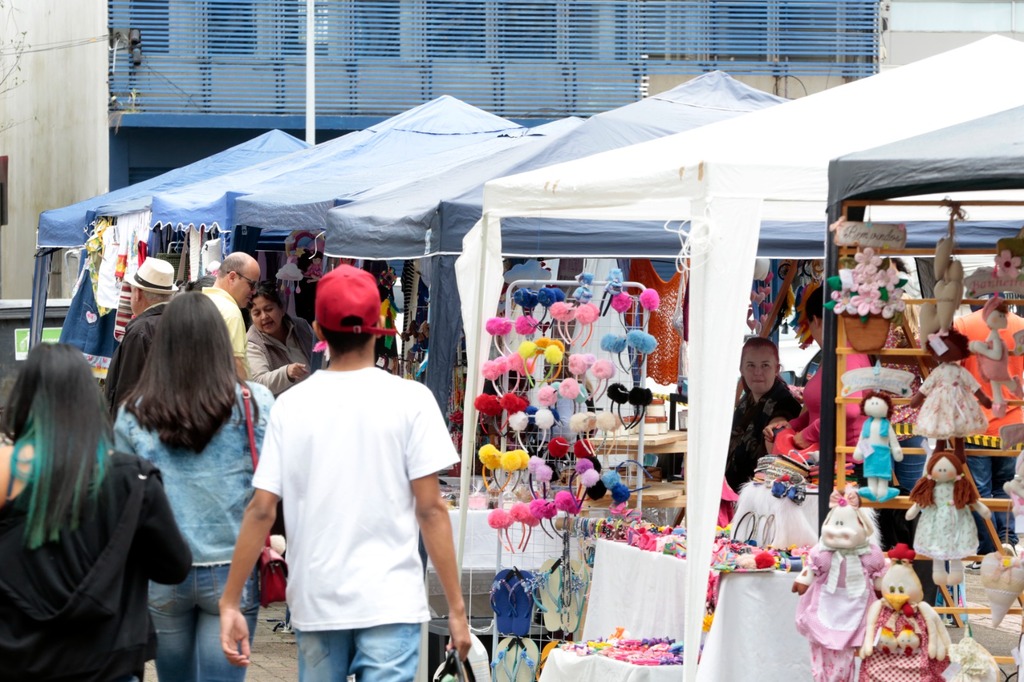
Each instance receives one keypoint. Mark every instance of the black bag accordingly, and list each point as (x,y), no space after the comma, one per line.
(453,670)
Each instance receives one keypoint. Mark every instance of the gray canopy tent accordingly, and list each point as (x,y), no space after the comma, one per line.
(985,154)
(430,216)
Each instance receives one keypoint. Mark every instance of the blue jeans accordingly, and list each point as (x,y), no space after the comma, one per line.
(912,467)
(384,653)
(990,473)
(187,622)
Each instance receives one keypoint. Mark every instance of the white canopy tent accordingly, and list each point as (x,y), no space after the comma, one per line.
(725,178)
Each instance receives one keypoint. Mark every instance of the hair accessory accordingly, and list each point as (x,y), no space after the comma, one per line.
(583,448)
(650,299)
(548,296)
(570,390)
(579,363)
(583,293)
(641,341)
(621,302)
(586,315)
(611,288)
(564,501)
(493,370)
(518,421)
(558,447)
(582,422)
(526,299)
(487,404)
(512,403)
(547,396)
(498,326)
(526,325)
(613,343)
(562,311)
(618,393)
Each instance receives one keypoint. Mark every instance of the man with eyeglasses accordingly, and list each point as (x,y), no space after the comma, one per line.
(231,291)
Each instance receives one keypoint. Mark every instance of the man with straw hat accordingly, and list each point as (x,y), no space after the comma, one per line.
(152,286)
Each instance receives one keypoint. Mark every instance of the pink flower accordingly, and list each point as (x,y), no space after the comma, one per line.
(1007,265)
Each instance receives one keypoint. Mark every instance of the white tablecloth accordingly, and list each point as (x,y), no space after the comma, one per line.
(563,666)
(754,634)
(640,591)
(482,545)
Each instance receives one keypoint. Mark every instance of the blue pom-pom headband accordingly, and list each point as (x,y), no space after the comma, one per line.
(583,293)
(527,299)
(612,288)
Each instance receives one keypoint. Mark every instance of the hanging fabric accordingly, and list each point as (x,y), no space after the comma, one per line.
(663,363)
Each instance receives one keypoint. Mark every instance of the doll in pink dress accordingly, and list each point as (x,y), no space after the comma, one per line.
(837,587)
(994,357)
(949,398)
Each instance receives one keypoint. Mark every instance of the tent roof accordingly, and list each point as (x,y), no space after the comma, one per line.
(303,201)
(405,221)
(778,155)
(67,227)
(443,123)
(984,154)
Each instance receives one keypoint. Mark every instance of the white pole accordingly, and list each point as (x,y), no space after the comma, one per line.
(311,71)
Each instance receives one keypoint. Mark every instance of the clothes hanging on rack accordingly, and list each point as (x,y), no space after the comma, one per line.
(663,363)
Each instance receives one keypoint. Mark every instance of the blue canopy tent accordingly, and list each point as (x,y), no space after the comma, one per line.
(296,191)
(429,216)
(68,227)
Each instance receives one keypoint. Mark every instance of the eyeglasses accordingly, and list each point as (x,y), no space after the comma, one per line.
(252,282)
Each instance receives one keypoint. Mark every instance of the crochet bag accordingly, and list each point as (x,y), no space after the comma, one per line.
(273,570)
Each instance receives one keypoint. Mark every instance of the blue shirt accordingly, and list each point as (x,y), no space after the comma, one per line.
(208,490)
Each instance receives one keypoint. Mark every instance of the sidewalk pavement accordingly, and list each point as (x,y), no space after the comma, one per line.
(273,653)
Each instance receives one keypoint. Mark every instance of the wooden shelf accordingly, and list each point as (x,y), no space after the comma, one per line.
(663,495)
(672,442)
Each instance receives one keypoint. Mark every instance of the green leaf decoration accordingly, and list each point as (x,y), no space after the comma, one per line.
(864,319)
(835,282)
(901,283)
(831,305)
(883,294)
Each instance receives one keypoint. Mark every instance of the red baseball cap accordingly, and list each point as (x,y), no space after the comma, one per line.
(344,292)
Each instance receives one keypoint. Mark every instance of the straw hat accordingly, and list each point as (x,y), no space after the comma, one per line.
(154,276)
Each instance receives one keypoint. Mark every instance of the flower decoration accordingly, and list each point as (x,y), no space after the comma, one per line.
(867,285)
(1007,265)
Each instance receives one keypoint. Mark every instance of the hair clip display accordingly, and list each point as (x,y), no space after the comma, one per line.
(612,288)
(583,293)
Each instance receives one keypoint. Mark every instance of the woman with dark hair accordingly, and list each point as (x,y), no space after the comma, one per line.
(811,322)
(82,532)
(766,402)
(187,416)
(279,345)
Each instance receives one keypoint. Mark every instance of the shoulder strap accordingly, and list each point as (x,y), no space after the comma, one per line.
(247,408)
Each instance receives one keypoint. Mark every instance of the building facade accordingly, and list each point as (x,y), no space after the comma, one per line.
(189,77)
(53,119)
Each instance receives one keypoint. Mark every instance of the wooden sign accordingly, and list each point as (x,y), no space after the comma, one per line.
(875,235)
(878,378)
(985,281)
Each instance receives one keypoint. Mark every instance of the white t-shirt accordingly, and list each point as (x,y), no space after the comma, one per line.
(340,450)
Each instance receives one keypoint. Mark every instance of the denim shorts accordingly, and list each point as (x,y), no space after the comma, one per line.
(383,653)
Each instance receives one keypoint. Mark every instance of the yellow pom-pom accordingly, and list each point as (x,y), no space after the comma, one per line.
(527,349)
(490,457)
(543,342)
(522,462)
(553,355)
(559,344)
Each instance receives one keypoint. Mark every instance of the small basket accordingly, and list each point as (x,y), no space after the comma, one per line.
(866,336)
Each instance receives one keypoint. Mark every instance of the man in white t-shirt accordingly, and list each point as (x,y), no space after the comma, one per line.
(353,453)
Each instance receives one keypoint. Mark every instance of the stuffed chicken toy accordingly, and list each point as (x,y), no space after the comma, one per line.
(904,639)
(877,447)
(949,398)
(836,587)
(994,357)
(944,499)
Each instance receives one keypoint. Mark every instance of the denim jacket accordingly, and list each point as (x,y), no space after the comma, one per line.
(208,490)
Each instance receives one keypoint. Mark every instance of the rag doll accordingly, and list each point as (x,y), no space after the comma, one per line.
(944,499)
(904,638)
(836,587)
(949,398)
(994,357)
(877,447)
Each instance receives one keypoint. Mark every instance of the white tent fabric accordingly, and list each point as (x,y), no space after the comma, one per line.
(735,173)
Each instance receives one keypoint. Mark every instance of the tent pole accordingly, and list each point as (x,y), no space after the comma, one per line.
(311,71)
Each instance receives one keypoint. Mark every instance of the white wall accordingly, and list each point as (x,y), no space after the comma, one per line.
(53,125)
(923,28)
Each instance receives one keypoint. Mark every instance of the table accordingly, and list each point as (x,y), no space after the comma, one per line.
(565,665)
(658,494)
(673,442)
(754,627)
(754,631)
(640,591)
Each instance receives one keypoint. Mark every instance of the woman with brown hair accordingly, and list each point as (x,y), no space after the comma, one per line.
(765,401)
(188,415)
(279,345)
